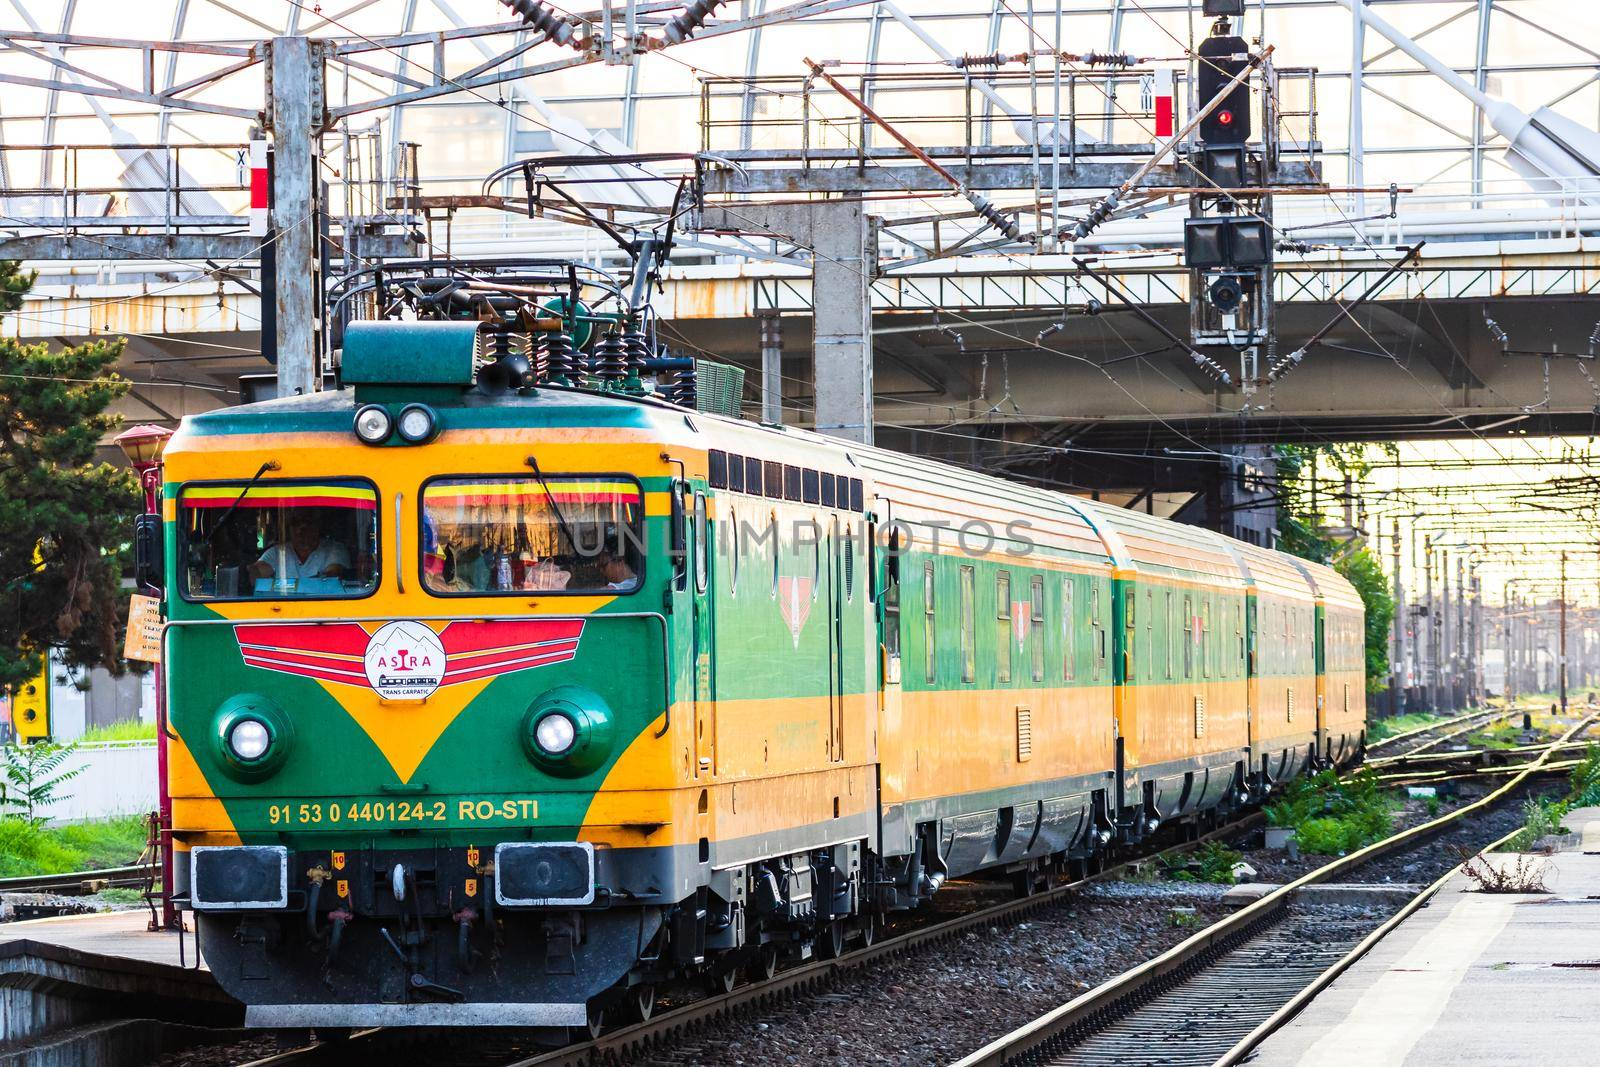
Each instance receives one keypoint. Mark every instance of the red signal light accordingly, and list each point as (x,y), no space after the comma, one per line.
(1225,117)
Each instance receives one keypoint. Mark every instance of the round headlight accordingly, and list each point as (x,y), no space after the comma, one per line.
(568,731)
(417,423)
(373,423)
(555,733)
(249,739)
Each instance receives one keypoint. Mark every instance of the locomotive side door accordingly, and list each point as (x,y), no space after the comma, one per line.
(705,709)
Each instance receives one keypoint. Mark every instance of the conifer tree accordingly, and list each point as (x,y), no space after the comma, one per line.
(66,516)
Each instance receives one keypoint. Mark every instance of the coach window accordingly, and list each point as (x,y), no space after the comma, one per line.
(969,630)
(1002,627)
(1099,632)
(777,550)
(1036,624)
(1149,635)
(1188,637)
(1172,632)
(891,606)
(930,631)
(702,544)
(1069,648)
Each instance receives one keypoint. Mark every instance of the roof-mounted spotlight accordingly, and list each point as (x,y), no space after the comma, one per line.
(373,424)
(418,424)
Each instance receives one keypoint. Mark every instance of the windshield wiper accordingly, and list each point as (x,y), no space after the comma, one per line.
(269,465)
(561,519)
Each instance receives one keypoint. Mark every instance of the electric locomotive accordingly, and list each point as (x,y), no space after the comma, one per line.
(500,690)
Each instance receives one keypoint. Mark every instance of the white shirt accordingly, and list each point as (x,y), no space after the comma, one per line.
(286,564)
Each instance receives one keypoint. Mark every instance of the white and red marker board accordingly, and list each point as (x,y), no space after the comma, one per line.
(260,190)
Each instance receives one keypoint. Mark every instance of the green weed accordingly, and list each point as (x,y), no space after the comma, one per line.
(129,730)
(1333,816)
(1212,863)
(28,848)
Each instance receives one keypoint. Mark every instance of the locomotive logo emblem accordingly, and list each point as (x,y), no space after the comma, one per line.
(404,661)
(794,603)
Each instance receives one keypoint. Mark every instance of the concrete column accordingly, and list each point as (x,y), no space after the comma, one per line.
(771,367)
(842,239)
(294,110)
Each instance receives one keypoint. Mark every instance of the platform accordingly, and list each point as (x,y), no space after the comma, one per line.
(70,974)
(1470,978)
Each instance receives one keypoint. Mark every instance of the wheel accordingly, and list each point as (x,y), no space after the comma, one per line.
(721,982)
(639,1002)
(1025,883)
(870,926)
(764,964)
(596,1023)
(830,940)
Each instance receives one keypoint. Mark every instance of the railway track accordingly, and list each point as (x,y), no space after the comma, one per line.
(1419,740)
(79,883)
(1214,997)
(686,1021)
(673,1025)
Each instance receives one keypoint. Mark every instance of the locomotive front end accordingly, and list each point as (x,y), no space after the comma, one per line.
(419,704)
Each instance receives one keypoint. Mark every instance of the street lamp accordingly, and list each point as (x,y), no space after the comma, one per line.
(143,445)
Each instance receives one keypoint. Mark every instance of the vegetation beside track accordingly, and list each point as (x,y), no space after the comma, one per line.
(1334,816)
(28,848)
(1543,815)
(131,730)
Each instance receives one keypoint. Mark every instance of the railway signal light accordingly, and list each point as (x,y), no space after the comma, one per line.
(1227,242)
(1226,8)
(1222,58)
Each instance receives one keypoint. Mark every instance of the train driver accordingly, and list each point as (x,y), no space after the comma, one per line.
(306,553)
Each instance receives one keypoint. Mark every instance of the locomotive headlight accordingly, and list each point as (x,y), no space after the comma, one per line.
(567,731)
(418,423)
(373,424)
(554,733)
(249,739)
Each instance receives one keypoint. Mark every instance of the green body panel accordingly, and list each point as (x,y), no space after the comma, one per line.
(409,353)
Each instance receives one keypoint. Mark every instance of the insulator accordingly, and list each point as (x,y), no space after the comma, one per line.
(541,18)
(1211,367)
(993,216)
(690,19)
(1298,247)
(610,359)
(685,386)
(1108,59)
(992,59)
(499,342)
(637,350)
(561,359)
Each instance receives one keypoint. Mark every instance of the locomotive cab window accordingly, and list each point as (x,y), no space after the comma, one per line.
(279,540)
(556,534)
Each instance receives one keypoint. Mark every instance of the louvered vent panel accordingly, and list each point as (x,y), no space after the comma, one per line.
(1199,716)
(1290,703)
(1024,733)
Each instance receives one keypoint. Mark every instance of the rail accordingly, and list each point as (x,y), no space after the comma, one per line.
(1100,1004)
(80,883)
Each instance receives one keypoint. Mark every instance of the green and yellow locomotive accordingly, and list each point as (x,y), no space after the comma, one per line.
(499,699)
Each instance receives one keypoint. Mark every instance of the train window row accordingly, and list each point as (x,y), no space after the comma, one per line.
(1021,615)
(783,481)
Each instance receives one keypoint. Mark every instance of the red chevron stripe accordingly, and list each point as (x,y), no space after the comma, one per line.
(340,638)
(469,637)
